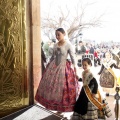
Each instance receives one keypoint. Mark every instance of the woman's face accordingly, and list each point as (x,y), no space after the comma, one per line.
(107,55)
(59,35)
(85,65)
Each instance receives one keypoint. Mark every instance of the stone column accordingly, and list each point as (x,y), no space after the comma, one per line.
(34,45)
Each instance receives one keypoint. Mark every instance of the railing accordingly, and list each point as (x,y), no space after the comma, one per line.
(117,97)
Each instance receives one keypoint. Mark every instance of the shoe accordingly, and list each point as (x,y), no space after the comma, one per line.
(59,114)
(80,79)
(95,65)
(107,94)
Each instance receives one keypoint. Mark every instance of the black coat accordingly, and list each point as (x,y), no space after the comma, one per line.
(82,50)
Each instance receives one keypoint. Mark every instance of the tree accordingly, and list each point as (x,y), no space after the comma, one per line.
(73,23)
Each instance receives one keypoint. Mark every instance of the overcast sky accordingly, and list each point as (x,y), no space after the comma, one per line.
(111,25)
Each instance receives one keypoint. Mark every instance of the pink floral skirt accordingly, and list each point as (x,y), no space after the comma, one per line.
(52,94)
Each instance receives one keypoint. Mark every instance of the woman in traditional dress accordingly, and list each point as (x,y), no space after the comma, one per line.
(57,88)
(108,79)
(89,102)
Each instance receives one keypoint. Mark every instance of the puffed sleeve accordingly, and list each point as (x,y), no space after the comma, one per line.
(71,52)
(94,85)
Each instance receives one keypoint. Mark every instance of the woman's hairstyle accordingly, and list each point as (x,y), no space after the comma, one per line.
(87,60)
(108,53)
(61,30)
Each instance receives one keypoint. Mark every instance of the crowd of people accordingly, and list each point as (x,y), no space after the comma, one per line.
(59,88)
(98,51)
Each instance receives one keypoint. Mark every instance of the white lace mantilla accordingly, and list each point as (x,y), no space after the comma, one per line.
(107,63)
(87,76)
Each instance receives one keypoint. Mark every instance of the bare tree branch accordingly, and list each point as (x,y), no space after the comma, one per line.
(73,23)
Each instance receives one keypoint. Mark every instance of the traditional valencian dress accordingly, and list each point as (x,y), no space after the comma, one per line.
(108,79)
(87,106)
(57,88)
(116,57)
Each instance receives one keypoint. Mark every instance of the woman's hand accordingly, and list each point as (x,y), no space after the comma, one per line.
(74,67)
(98,73)
(95,95)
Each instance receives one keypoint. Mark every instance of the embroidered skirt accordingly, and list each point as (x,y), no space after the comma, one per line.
(91,114)
(57,88)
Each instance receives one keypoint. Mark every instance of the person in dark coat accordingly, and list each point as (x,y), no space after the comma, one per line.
(91,51)
(43,60)
(81,48)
